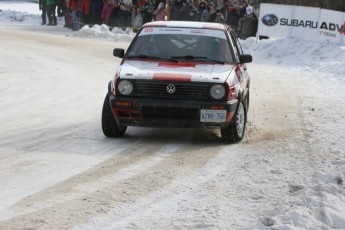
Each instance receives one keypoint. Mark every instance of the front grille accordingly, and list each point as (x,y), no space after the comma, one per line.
(154,112)
(184,90)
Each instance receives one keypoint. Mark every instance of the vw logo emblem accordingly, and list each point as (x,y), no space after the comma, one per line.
(171,88)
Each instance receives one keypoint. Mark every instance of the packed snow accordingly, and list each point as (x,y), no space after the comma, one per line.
(57,170)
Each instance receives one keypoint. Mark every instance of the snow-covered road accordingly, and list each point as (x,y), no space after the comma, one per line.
(58,171)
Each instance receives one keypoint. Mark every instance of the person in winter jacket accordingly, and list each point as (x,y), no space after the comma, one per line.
(224,9)
(146,11)
(191,13)
(219,17)
(74,6)
(51,11)
(155,4)
(205,14)
(201,8)
(243,8)
(61,8)
(114,19)
(85,12)
(212,12)
(177,11)
(43,6)
(96,7)
(159,13)
(136,19)
(248,24)
(124,15)
(233,17)
(106,12)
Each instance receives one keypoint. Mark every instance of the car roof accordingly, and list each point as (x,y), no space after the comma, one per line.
(187,24)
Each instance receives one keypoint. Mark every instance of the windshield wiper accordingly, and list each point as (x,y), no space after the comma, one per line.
(144,56)
(212,60)
(197,58)
(189,57)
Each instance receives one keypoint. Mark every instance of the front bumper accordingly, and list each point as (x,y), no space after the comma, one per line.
(148,112)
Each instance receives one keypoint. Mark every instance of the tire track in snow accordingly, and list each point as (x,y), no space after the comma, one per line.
(131,175)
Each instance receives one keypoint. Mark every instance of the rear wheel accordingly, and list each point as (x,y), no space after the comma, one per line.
(109,125)
(235,132)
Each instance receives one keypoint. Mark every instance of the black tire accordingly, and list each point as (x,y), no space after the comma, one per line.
(109,125)
(235,132)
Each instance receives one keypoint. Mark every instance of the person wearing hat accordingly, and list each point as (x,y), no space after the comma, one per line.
(248,24)
(159,13)
(201,7)
(219,18)
(209,14)
(191,13)
(177,10)
(244,5)
(233,17)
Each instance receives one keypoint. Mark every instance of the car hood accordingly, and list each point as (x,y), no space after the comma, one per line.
(175,71)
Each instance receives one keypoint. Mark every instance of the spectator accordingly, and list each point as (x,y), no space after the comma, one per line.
(219,17)
(96,7)
(136,19)
(155,6)
(243,8)
(62,11)
(42,5)
(177,11)
(205,15)
(114,20)
(160,13)
(85,12)
(225,9)
(61,8)
(233,17)
(146,11)
(73,6)
(168,8)
(51,11)
(212,12)
(191,13)
(201,8)
(248,24)
(106,12)
(124,15)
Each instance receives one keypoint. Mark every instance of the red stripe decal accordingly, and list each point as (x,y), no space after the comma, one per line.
(172,77)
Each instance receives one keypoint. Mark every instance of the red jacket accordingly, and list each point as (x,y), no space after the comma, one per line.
(73,5)
(85,7)
(106,12)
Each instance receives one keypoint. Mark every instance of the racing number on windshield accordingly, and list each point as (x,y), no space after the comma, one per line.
(148,30)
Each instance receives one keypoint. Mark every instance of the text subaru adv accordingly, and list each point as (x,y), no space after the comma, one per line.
(181,75)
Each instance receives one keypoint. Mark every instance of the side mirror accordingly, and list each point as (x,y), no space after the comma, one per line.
(246,58)
(117,52)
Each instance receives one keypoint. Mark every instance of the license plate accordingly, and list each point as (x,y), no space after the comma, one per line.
(208,115)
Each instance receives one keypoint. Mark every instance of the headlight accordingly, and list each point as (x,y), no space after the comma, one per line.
(217,91)
(125,87)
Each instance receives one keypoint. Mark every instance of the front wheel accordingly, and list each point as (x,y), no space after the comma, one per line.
(109,125)
(235,132)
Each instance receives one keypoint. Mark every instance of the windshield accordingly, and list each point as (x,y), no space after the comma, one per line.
(204,45)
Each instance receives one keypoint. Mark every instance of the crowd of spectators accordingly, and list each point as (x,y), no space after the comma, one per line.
(134,13)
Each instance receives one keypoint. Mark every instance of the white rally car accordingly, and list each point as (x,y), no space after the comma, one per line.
(180,74)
